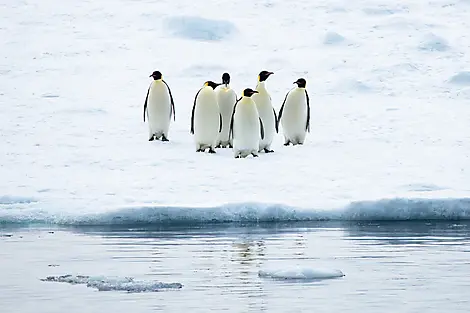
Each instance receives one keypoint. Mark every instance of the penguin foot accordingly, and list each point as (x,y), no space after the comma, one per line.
(152,138)
(199,150)
(230,146)
(266,150)
(211,150)
(164,138)
(255,155)
(287,143)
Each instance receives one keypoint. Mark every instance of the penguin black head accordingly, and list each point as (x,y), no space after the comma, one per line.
(263,75)
(156,75)
(248,92)
(225,78)
(211,84)
(301,82)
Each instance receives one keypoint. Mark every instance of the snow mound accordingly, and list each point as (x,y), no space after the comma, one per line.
(333,38)
(301,273)
(432,42)
(103,283)
(198,28)
(462,78)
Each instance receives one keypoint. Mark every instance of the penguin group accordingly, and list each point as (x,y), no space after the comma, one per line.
(219,119)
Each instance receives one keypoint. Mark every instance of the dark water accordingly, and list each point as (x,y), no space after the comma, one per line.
(389,267)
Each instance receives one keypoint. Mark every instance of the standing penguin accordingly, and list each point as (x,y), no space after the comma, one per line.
(226,98)
(266,112)
(159,106)
(206,120)
(246,127)
(294,114)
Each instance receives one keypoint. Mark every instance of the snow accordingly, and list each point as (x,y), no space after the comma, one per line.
(390,110)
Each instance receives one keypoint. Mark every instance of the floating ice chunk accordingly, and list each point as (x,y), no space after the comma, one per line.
(301,273)
(103,283)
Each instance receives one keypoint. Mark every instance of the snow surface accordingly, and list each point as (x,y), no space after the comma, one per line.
(104,283)
(388,84)
(301,273)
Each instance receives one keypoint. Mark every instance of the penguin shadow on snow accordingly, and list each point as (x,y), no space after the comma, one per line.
(247,125)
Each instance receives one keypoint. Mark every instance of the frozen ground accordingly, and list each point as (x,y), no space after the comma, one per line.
(389,86)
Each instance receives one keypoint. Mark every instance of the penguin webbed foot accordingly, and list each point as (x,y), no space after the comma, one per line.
(152,138)
(164,138)
(211,150)
(266,150)
(255,155)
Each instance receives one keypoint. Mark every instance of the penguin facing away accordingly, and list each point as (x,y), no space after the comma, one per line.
(206,120)
(294,114)
(226,98)
(266,112)
(246,127)
(159,106)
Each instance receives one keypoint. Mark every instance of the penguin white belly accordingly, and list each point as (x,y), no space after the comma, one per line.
(294,117)
(266,113)
(206,119)
(159,109)
(226,99)
(246,130)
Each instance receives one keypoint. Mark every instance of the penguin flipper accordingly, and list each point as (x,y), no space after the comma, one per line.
(172,111)
(230,132)
(282,108)
(192,113)
(261,126)
(276,122)
(220,122)
(146,100)
(307,127)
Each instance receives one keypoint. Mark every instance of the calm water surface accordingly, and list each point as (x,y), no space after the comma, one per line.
(389,267)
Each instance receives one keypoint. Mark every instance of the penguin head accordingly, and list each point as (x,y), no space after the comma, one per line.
(248,92)
(225,78)
(211,84)
(263,75)
(156,75)
(301,83)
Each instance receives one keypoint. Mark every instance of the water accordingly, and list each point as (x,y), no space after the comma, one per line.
(388,266)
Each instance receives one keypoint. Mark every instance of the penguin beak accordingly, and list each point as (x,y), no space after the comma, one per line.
(254,91)
(271,73)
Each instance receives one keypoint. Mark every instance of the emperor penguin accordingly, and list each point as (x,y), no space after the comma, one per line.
(266,112)
(206,120)
(294,114)
(159,106)
(246,127)
(226,98)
